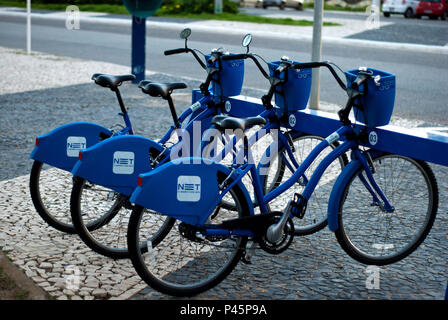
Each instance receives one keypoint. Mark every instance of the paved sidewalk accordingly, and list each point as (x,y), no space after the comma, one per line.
(314,267)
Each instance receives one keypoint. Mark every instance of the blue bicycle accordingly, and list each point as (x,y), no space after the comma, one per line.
(377,218)
(86,204)
(106,174)
(56,152)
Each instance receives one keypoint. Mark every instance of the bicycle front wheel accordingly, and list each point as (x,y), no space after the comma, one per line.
(373,236)
(186,262)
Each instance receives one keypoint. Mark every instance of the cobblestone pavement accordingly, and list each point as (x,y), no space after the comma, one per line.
(313,268)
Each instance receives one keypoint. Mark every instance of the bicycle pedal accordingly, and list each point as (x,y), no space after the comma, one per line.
(248,254)
(298,206)
(245,260)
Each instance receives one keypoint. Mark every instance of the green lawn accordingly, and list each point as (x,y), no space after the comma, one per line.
(118,9)
(337,8)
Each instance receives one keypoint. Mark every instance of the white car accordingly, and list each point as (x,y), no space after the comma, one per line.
(404,7)
(282,4)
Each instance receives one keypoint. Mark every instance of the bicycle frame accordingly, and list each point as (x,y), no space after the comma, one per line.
(263,200)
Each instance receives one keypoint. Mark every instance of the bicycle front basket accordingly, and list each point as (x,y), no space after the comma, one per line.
(375,109)
(293,94)
(229,81)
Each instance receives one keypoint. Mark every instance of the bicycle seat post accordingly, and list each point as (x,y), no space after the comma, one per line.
(124,112)
(173,111)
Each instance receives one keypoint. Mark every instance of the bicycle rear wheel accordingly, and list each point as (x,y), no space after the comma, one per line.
(372,236)
(108,212)
(186,263)
(50,192)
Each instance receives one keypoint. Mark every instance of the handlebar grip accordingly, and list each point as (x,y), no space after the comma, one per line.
(307,65)
(234,56)
(175,51)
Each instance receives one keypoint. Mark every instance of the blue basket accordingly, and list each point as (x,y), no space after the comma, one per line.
(292,95)
(229,81)
(378,105)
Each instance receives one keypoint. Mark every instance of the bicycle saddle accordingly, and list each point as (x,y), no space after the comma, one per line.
(227,122)
(111,81)
(155,89)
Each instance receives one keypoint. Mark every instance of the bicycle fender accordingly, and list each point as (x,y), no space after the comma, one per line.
(334,201)
(115,163)
(60,147)
(187,192)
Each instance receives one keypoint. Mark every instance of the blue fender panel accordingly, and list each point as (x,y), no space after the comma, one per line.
(336,193)
(116,162)
(187,192)
(338,189)
(60,147)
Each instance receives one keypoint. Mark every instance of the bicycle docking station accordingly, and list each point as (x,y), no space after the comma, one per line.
(425,146)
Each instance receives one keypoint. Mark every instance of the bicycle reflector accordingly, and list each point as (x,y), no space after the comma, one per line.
(140,181)
(37,141)
(80,155)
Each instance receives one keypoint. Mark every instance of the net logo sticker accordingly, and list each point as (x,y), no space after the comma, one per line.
(188,188)
(123,162)
(74,145)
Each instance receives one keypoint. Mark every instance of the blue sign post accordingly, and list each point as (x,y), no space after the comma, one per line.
(138,48)
(140,10)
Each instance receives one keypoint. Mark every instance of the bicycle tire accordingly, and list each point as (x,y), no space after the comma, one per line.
(54,217)
(165,275)
(108,235)
(315,218)
(358,249)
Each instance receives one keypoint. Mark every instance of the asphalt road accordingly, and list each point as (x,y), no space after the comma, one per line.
(421,77)
(399,29)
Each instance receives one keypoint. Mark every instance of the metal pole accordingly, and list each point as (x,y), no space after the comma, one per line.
(138,48)
(28,26)
(218,6)
(316,52)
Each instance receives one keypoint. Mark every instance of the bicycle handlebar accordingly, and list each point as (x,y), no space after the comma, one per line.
(175,51)
(310,65)
(245,56)
(185,50)
(235,56)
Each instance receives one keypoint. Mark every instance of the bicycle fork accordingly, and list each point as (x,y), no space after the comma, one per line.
(371,184)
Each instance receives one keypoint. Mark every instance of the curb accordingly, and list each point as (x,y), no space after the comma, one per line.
(21,280)
(241,32)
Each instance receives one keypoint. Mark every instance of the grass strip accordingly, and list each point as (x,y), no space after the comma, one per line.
(118,9)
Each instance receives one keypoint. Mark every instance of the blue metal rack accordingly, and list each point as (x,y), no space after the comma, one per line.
(417,144)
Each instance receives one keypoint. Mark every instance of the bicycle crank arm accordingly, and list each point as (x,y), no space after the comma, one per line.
(275,231)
